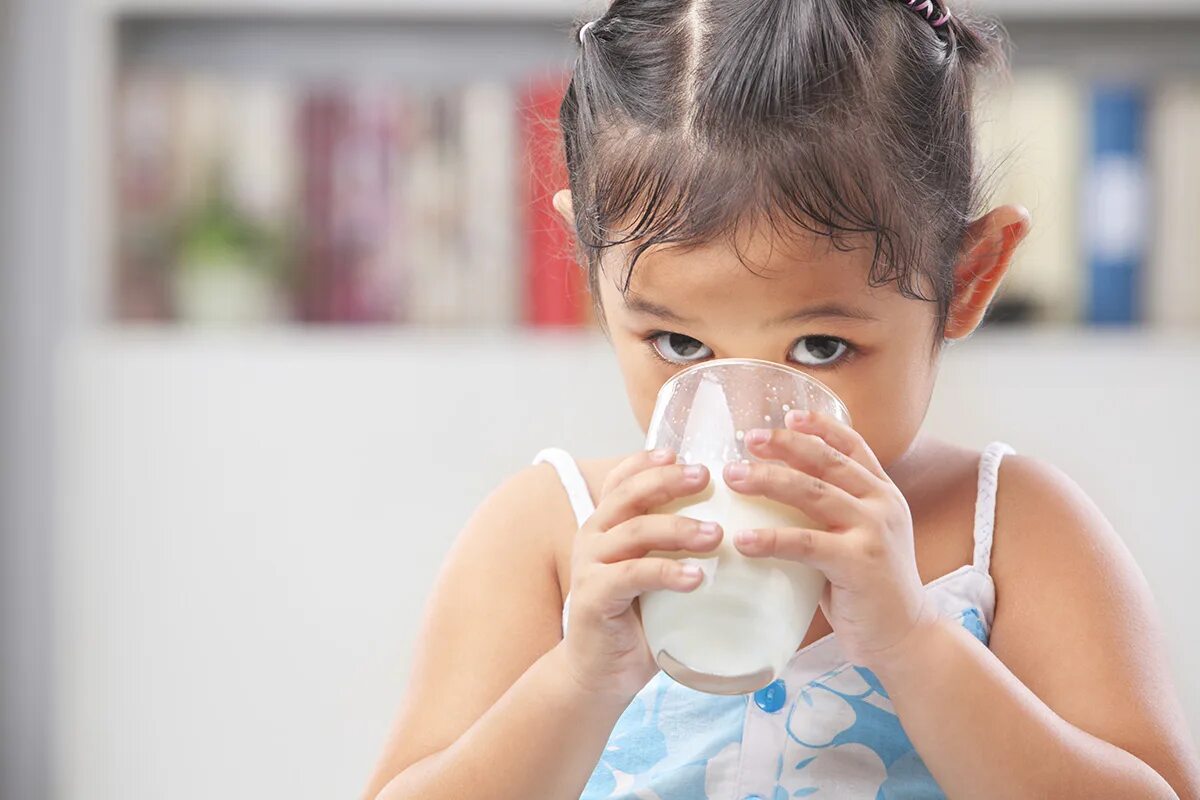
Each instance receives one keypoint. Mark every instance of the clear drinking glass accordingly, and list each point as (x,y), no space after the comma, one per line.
(735,633)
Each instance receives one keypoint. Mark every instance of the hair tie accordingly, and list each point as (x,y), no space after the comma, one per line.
(584,29)
(929,9)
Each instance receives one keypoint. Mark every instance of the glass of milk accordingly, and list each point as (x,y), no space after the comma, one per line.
(735,633)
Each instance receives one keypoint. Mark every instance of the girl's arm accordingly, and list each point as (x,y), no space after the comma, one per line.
(1074,697)
(541,739)
(489,710)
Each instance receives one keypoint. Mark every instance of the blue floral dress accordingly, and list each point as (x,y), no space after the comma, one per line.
(826,728)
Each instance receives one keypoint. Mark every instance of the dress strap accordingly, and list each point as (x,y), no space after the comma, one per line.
(572,480)
(985,502)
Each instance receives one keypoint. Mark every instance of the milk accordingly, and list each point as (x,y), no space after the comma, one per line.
(734,633)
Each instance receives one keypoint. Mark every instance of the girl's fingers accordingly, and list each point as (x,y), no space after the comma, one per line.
(655,532)
(616,585)
(641,460)
(813,455)
(820,549)
(647,491)
(839,436)
(829,506)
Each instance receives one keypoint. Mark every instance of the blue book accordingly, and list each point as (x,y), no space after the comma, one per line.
(1115,201)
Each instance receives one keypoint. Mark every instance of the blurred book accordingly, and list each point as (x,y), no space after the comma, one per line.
(261,148)
(491,210)
(1030,131)
(352,270)
(555,283)
(1172,289)
(144,142)
(432,198)
(1115,205)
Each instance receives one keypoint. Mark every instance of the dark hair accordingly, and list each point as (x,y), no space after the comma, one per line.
(842,117)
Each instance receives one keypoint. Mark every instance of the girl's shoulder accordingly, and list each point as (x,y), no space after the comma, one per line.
(1040,515)
(550,521)
(1043,517)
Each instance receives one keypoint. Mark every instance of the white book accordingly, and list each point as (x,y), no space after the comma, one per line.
(428,197)
(203,119)
(144,141)
(1037,123)
(261,149)
(1172,281)
(489,205)
(452,270)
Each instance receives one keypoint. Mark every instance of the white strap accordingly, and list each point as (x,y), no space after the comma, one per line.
(985,502)
(572,480)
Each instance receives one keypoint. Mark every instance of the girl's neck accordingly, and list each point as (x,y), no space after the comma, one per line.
(913,470)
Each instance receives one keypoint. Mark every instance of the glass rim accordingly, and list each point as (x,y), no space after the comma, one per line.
(762,363)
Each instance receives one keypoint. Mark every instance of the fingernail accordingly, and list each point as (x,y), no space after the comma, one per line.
(746,537)
(797,417)
(691,571)
(709,529)
(693,472)
(661,454)
(738,471)
(758,436)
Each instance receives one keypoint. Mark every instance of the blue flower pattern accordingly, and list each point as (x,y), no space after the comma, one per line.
(666,742)
(843,740)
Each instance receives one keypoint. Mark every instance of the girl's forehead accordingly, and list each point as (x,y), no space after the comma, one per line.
(808,265)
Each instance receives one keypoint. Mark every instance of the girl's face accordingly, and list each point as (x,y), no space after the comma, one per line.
(802,303)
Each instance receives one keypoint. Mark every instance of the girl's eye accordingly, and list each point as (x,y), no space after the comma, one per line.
(675,348)
(819,351)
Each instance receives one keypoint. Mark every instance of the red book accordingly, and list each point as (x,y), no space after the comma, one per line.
(320,117)
(350,268)
(555,284)
(147,131)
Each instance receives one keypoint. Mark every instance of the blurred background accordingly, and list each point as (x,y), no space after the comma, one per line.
(283,300)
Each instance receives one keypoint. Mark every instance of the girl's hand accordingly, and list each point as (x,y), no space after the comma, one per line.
(605,648)
(874,599)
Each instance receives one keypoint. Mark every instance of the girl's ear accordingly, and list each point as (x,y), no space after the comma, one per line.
(991,241)
(562,204)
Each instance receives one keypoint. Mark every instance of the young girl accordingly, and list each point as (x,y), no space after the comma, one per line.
(795,181)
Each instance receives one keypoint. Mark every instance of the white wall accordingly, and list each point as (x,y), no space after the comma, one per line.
(249,527)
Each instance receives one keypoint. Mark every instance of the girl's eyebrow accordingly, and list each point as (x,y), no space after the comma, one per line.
(643,305)
(826,311)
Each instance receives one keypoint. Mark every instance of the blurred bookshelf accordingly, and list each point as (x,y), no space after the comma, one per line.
(389,165)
